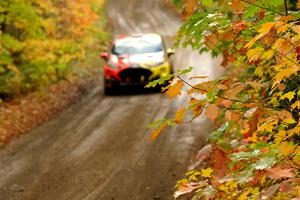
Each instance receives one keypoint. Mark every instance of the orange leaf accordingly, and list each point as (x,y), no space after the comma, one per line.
(211,41)
(212,112)
(296,104)
(196,106)
(179,116)
(279,173)
(175,89)
(286,148)
(221,161)
(266,27)
(232,116)
(190,6)
(157,131)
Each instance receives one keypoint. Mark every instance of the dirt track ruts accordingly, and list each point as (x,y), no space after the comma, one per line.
(99,148)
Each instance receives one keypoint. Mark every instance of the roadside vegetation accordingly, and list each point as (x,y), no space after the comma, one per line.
(254,152)
(43,42)
(48,56)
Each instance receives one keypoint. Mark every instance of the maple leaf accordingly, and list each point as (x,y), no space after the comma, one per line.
(269,191)
(179,115)
(283,46)
(285,73)
(279,172)
(203,154)
(174,89)
(232,116)
(254,54)
(266,27)
(221,161)
(286,148)
(267,55)
(211,41)
(185,189)
(190,7)
(285,187)
(296,105)
(283,28)
(207,173)
(290,96)
(212,112)
(196,106)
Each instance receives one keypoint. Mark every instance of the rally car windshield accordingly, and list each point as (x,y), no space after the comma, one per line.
(136,46)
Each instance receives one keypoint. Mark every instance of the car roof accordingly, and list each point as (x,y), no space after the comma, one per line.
(151,37)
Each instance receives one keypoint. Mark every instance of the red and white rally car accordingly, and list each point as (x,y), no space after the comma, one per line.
(135,60)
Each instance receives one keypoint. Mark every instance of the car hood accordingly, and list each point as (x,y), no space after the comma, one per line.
(141,59)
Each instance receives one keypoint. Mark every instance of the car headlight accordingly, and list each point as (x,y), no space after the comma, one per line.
(155,64)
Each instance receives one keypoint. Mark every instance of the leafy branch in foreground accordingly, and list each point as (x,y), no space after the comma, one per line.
(254,152)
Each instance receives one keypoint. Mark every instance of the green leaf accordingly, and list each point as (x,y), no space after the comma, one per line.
(185,71)
(244,155)
(264,163)
(160,81)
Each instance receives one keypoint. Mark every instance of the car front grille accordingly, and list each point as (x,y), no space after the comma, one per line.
(135,75)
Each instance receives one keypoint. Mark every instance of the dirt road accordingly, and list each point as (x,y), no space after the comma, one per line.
(99,149)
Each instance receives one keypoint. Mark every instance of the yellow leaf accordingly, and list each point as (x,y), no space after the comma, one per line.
(157,131)
(267,55)
(290,96)
(259,71)
(285,73)
(207,173)
(286,148)
(179,116)
(295,130)
(266,27)
(175,89)
(252,42)
(280,136)
(296,104)
(286,116)
(244,195)
(254,54)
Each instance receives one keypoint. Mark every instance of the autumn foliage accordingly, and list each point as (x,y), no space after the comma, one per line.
(42,40)
(254,152)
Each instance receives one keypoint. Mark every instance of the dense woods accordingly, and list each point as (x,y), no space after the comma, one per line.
(43,41)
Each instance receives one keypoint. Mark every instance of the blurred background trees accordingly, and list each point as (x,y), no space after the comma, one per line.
(41,40)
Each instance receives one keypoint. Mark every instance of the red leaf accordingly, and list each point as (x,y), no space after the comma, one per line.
(285,187)
(221,161)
